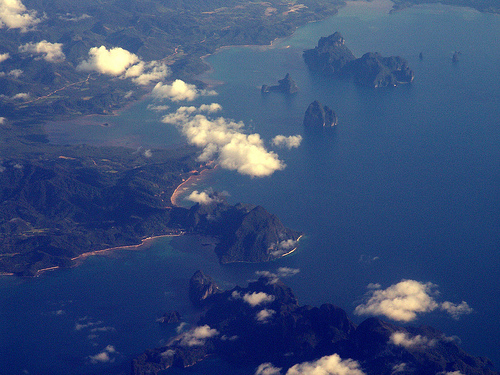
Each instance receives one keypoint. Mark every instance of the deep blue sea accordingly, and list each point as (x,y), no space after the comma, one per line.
(405,187)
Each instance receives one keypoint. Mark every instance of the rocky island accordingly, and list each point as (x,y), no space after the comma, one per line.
(264,326)
(246,232)
(286,86)
(319,116)
(331,57)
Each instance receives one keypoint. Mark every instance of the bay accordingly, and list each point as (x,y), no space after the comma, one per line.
(405,187)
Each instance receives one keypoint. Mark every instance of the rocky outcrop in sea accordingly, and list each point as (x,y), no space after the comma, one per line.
(286,86)
(331,57)
(319,116)
(246,232)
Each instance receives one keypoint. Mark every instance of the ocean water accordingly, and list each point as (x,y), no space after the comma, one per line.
(405,187)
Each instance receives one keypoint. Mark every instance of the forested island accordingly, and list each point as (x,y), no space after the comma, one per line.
(332,58)
(263,325)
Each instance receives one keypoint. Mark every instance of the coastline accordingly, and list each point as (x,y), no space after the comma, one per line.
(80,258)
(270,260)
(202,77)
(293,250)
(179,190)
(147,241)
(144,242)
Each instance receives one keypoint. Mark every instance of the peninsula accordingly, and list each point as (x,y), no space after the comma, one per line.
(58,202)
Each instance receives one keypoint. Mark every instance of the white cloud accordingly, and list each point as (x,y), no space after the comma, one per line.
(103,329)
(283,247)
(267,369)
(144,73)
(223,140)
(368,259)
(145,152)
(400,302)
(104,356)
(197,336)
(230,338)
(287,271)
(14,15)
(287,244)
(398,368)
(73,18)
(4,56)
(16,73)
(168,353)
(179,91)
(281,272)
(113,62)
(21,96)
(120,62)
(405,340)
(85,324)
(404,300)
(200,197)
(257,298)
(264,315)
(51,52)
(181,327)
(3,120)
(456,310)
(158,108)
(328,365)
(290,142)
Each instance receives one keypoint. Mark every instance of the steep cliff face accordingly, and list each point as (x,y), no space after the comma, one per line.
(202,288)
(264,323)
(319,116)
(247,233)
(331,57)
(286,86)
(376,71)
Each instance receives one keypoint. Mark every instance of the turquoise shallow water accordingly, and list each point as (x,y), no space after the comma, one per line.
(406,187)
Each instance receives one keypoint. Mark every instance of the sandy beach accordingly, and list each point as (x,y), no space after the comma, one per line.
(181,189)
(78,259)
